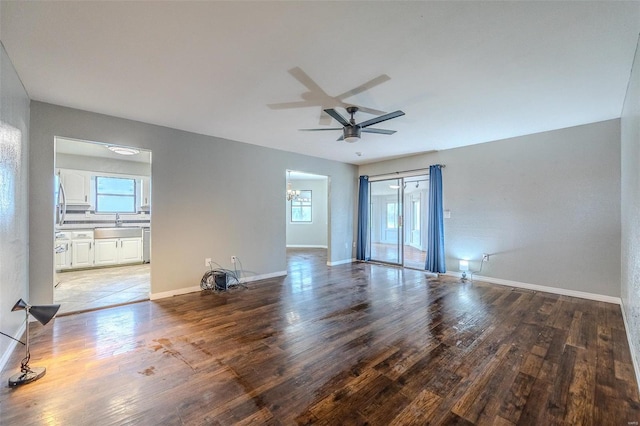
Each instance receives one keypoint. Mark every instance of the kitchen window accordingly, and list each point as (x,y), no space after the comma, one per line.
(301,208)
(115,195)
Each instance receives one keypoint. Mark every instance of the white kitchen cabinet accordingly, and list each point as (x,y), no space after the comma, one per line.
(77,186)
(82,254)
(130,250)
(63,258)
(116,251)
(106,251)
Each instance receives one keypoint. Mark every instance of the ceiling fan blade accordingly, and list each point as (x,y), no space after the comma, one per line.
(382,118)
(368,110)
(341,138)
(325,119)
(319,130)
(335,114)
(381,131)
(365,86)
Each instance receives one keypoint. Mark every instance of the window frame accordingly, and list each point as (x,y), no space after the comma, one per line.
(133,196)
(302,205)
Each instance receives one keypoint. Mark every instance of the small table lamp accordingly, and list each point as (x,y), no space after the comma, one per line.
(464,267)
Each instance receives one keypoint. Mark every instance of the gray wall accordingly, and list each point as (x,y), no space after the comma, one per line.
(14,208)
(546,206)
(630,135)
(315,233)
(203,202)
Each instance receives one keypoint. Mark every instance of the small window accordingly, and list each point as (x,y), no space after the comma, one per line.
(301,208)
(115,195)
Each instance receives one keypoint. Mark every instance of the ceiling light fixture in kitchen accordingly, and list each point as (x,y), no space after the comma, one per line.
(123,150)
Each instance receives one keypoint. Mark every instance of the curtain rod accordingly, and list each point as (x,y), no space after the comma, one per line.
(442,166)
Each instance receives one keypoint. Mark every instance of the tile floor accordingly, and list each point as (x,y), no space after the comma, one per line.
(102,287)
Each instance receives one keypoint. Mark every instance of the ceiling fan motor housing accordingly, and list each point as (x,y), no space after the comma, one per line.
(351,133)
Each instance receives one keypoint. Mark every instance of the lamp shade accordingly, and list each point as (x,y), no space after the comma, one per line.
(20,305)
(43,313)
(463,265)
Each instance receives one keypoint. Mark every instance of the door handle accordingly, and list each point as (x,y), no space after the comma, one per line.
(63,206)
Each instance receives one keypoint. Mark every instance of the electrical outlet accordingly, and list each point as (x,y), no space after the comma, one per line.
(207,262)
(485,257)
(233,259)
(354,244)
(87,214)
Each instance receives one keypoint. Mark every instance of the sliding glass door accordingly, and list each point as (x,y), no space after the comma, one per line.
(397,220)
(416,205)
(386,221)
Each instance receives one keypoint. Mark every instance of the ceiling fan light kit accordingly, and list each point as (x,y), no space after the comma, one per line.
(351,134)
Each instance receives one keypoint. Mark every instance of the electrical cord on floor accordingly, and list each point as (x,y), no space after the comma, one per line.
(208,281)
(476,272)
(238,277)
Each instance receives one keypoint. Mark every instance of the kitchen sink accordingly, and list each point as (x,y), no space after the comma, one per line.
(120,232)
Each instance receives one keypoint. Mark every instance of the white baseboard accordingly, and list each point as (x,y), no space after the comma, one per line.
(11,348)
(632,347)
(263,276)
(176,292)
(193,289)
(306,246)
(340,262)
(543,288)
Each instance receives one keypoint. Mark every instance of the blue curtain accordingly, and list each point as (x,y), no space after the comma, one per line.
(435,235)
(363,219)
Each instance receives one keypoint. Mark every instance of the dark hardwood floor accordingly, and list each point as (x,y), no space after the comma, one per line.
(349,344)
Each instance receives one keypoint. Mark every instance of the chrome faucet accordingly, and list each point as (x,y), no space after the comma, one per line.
(118,220)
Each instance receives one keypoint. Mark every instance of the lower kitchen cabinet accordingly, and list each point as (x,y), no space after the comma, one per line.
(114,251)
(63,255)
(82,254)
(130,250)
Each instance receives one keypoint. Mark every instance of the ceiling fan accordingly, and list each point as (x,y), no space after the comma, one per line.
(350,130)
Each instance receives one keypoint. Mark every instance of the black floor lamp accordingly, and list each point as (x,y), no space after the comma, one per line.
(43,313)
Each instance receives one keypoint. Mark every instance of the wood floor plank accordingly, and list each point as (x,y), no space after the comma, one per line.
(350,344)
(418,412)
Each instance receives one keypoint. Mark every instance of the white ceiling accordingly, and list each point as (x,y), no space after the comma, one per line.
(94,149)
(463,72)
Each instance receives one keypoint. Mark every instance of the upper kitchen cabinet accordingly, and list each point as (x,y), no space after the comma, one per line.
(77,186)
(145,193)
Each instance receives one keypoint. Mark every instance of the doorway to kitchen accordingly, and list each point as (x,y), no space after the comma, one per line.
(102,225)
(307,211)
(397,220)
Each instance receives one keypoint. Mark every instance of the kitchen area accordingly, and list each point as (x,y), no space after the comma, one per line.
(102,246)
